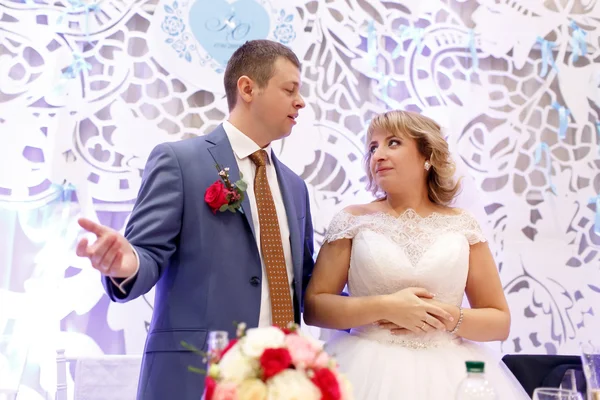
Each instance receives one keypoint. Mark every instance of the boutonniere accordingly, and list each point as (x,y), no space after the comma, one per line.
(224,195)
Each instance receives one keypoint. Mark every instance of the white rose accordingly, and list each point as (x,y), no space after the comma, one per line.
(258,339)
(253,389)
(345,387)
(236,367)
(214,371)
(317,344)
(292,385)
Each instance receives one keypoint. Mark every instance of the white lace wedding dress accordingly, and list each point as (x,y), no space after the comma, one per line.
(392,253)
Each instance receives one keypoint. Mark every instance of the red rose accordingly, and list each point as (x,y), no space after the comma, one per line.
(326,381)
(273,361)
(216,196)
(228,347)
(209,388)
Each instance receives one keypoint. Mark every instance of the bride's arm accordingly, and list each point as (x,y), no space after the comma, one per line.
(488,319)
(324,305)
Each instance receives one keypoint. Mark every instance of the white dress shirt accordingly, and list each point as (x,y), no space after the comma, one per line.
(242,147)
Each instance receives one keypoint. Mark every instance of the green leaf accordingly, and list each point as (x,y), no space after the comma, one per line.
(224,207)
(241,185)
(231,208)
(188,346)
(192,348)
(241,175)
(197,370)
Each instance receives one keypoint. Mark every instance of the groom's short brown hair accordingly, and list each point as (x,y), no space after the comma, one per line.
(255,59)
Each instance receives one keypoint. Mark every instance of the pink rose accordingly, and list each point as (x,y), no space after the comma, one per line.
(322,360)
(225,391)
(304,353)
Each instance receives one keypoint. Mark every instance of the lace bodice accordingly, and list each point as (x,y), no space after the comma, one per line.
(392,253)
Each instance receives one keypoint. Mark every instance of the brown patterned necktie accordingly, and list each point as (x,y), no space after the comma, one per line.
(282,312)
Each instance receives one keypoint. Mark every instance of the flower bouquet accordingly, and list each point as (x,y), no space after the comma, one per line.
(274,364)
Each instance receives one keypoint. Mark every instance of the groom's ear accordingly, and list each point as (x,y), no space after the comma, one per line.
(246,89)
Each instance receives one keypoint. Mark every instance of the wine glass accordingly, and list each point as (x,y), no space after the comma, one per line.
(590,359)
(10,368)
(217,342)
(573,380)
(555,394)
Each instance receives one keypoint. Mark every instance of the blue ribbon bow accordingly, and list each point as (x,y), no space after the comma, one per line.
(598,132)
(563,119)
(577,41)
(384,84)
(543,147)
(77,66)
(372,44)
(547,57)
(408,33)
(383,81)
(596,199)
(76,6)
(72,71)
(473,50)
(65,190)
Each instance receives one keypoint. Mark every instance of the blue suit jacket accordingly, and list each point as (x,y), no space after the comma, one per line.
(206,267)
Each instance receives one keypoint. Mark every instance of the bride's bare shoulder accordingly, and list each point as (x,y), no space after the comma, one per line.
(445,210)
(363,209)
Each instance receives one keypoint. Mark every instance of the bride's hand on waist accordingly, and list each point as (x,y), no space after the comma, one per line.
(411,309)
(449,325)
(450,309)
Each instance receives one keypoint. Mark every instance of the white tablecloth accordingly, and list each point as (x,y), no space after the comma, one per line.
(112,377)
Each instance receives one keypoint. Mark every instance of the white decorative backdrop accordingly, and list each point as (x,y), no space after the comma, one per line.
(87,89)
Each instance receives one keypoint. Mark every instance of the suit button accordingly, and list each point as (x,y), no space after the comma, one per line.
(254,281)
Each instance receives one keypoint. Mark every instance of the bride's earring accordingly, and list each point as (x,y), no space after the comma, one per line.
(427,165)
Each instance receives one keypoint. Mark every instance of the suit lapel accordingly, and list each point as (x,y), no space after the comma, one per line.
(290,210)
(222,153)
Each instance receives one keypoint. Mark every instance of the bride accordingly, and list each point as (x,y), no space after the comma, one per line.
(408,260)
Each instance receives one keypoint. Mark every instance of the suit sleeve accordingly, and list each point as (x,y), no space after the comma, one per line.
(309,249)
(155,223)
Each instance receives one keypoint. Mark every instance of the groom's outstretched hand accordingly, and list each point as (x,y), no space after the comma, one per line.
(111,253)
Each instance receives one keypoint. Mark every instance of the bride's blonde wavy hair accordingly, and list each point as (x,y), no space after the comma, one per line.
(441,185)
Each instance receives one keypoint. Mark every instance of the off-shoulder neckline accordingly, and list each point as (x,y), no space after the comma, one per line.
(409,212)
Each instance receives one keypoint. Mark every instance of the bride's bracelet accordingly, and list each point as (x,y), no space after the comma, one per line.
(460,319)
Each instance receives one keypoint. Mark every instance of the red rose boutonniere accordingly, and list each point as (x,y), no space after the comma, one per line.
(224,195)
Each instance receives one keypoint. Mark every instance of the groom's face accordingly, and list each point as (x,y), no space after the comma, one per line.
(278,103)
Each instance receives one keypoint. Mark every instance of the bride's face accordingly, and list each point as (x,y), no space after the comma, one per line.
(395,161)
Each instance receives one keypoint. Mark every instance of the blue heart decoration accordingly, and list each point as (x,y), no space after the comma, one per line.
(221,27)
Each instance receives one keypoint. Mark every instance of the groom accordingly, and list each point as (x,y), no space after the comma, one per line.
(211,268)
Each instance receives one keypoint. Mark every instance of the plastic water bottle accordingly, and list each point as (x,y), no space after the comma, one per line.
(475,386)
